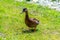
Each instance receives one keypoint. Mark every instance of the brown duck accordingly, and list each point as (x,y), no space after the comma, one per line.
(30,22)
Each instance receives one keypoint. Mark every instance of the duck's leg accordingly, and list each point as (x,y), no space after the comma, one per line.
(34,28)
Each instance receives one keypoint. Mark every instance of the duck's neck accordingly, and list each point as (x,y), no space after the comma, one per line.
(26,16)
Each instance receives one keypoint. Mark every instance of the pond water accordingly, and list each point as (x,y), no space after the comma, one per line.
(53,5)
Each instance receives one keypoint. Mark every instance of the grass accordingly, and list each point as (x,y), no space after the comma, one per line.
(12,22)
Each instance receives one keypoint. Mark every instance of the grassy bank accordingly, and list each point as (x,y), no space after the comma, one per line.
(12,22)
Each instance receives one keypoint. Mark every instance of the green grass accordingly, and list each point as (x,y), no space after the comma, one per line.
(12,22)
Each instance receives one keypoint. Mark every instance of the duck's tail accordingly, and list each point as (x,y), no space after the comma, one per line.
(37,22)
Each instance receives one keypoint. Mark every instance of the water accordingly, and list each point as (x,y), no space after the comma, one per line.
(53,5)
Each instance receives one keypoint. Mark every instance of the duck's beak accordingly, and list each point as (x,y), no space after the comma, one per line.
(21,12)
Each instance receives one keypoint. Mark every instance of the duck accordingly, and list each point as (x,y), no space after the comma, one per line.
(30,22)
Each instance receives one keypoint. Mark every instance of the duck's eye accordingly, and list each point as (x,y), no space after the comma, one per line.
(25,9)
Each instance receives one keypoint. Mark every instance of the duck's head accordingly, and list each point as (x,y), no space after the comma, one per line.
(24,10)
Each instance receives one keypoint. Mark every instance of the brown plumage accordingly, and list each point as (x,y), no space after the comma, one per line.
(30,22)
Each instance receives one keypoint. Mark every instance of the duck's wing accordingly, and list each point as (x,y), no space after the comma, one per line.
(33,20)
